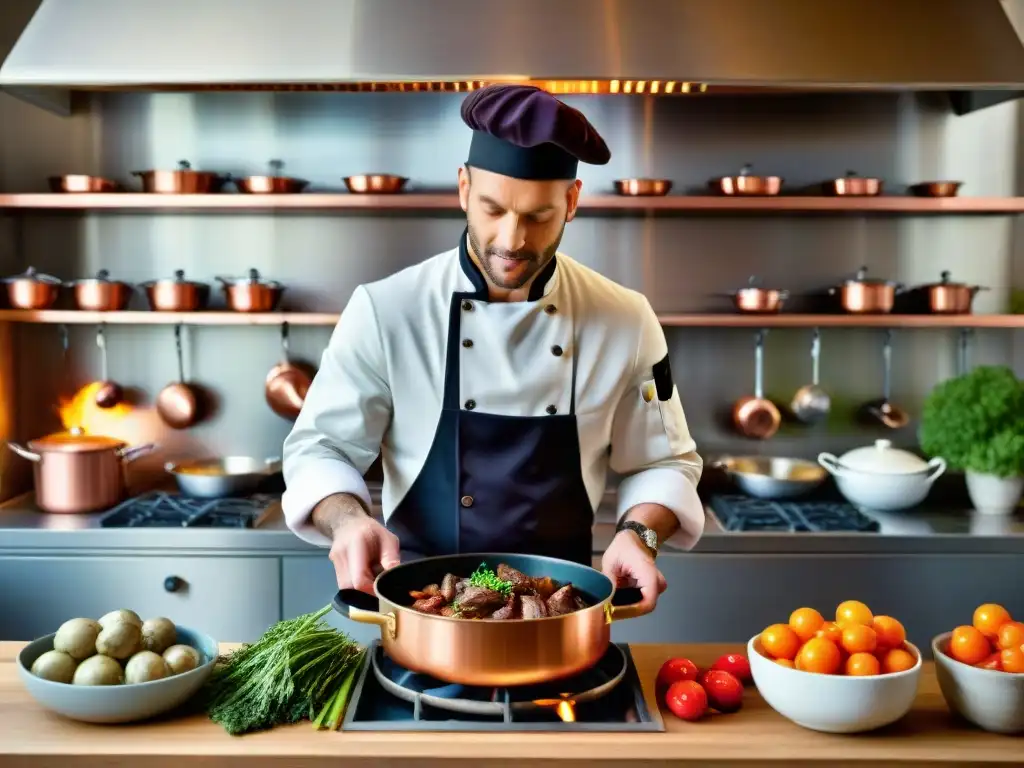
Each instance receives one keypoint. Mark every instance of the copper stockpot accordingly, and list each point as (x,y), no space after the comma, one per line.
(948,298)
(757,300)
(491,652)
(77,473)
(273,184)
(176,294)
(79,183)
(864,296)
(100,293)
(936,188)
(375,184)
(32,290)
(643,187)
(745,184)
(251,293)
(756,416)
(183,181)
(853,185)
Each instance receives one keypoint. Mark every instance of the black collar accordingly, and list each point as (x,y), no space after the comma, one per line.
(476,277)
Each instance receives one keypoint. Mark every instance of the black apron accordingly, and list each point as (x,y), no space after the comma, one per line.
(495,483)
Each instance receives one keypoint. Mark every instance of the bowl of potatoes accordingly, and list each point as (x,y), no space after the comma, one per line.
(118,668)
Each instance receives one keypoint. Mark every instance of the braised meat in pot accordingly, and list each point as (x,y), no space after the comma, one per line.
(502,593)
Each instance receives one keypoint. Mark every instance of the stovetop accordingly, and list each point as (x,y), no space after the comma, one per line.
(160,509)
(608,697)
(746,513)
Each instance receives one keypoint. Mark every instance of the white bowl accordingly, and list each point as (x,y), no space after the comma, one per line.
(994,701)
(834,703)
(117,703)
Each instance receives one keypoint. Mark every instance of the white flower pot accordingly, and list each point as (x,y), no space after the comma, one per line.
(992,495)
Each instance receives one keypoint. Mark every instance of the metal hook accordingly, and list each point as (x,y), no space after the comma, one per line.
(65,340)
(177,345)
(101,342)
(963,362)
(284,339)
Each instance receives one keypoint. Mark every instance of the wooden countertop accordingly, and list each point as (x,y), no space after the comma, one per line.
(756,735)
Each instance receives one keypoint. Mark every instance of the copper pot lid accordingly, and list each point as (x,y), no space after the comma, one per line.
(184,169)
(34,276)
(253,278)
(945,282)
(754,285)
(103,276)
(862,279)
(74,441)
(178,279)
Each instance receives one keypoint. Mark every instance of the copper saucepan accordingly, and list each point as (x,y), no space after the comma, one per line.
(946,297)
(862,295)
(32,290)
(177,403)
(273,184)
(643,187)
(491,652)
(755,299)
(100,293)
(183,181)
(853,185)
(936,188)
(77,183)
(287,383)
(756,416)
(375,184)
(745,184)
(176,294)
(251,293)
(109,392)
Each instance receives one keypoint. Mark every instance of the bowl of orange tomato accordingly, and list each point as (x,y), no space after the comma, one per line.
(980,668)
(852,674)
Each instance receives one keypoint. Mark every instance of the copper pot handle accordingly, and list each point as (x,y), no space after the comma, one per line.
(137,452)
(621,612)
(346,602)
(24,452)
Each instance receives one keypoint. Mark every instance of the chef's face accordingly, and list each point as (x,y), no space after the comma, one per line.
(515,226)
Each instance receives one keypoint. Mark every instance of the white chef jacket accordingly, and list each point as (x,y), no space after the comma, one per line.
(381,380)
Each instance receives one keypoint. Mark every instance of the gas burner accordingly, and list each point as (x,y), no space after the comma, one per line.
(745,513)
(607,697)
(170,510)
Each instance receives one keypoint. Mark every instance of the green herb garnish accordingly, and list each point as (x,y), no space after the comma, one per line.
(485,577)
(298,669)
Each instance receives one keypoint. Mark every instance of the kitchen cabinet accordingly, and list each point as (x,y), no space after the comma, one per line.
(234,599)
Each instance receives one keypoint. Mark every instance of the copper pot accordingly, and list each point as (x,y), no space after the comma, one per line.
(287,384)
(251,294)
(643,187)
(745,184)
(755,415)
(79,183)
(865,296)
(176,294)
(491,652)
(375,184)
(77,473)
(183,181)
(274,184)
(947,298)
(936,188)
(177,403)
(757,300)
(853,185)
(100,293)
(32,290)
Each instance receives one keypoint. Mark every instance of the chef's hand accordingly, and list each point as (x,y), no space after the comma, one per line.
(628,563)
(360,549)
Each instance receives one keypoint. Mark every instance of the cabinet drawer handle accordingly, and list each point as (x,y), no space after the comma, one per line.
(173,583)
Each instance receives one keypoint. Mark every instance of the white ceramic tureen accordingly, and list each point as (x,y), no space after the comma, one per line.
(882,478)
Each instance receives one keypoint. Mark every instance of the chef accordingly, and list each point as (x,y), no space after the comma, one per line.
(499,382)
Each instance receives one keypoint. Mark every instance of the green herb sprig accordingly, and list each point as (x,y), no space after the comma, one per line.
(485,577)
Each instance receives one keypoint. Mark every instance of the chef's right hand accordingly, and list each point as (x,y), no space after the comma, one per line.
(360,549)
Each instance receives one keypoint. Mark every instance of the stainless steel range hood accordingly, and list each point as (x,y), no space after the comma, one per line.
(624,46)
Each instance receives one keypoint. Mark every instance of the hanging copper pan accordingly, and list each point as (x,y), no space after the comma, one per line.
(756,416)
(287,383)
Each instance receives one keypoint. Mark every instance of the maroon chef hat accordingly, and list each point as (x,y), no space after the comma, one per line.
(526,133)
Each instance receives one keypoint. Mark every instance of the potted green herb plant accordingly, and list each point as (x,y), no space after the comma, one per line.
(976,423)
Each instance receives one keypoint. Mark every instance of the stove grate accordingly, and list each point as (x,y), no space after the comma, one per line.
(160,509)
(745,513)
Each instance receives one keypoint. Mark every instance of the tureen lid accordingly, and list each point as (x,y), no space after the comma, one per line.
(882,459)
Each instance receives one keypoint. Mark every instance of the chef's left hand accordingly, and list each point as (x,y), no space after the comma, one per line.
(628,563)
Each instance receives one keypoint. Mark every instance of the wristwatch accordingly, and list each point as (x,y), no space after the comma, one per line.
(647,536)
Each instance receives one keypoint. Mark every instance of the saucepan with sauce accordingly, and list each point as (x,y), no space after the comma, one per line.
(222,477)
(493,620)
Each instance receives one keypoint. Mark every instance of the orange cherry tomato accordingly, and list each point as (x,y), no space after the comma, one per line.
(780,641)
(853,612)
(969,645)
(819,655)
(858,638)
(785,663)
(988,618)
(1011,635)
(830,631)
(897,660)
(993,662)
(805,622)
(889,632)
(1012,659)
(862,665)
